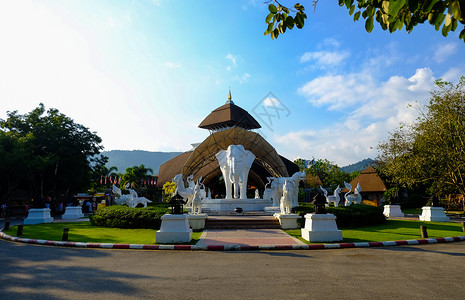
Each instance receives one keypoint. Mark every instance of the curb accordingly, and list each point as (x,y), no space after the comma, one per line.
(232,247)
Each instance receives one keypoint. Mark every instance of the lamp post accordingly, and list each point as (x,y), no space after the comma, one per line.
(319,201)
(177,202)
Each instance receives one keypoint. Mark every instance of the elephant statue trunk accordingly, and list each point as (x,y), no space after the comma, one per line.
(235,163)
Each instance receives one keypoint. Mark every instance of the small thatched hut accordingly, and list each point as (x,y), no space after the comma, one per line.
(372,186)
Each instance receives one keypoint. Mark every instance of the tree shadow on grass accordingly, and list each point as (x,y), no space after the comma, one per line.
(42,272)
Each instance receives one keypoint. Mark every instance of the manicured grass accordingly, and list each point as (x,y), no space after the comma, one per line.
(394,230)
(412,211)
(86,232)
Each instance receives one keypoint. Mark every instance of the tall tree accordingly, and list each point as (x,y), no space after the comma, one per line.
(330,174)
(135,176)
(391,15)
(101,174)
(14,160)
(431,152)
(58,150)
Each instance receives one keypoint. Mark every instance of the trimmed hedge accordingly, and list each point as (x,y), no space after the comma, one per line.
(126,217)
(356,215)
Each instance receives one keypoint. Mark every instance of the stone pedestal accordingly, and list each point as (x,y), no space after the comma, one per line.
(288,221)
(321,228)
(231,204)
(433,214)
(197,222)
(174,229)
(273,209)
(73,212)
(38,216)
(392,211)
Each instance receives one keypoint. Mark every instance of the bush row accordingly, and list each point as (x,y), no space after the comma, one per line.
(126,217)
(357,215)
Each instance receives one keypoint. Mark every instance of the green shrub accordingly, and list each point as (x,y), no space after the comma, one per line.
(126,217)
(357,215)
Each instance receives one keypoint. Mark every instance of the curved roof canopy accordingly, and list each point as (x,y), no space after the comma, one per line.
(229,115)
(204,162)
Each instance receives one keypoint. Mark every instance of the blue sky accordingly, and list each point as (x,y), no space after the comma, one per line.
(144,74)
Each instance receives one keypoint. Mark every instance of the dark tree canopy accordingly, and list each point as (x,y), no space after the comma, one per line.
(391,15)
(430,154)
(50,153)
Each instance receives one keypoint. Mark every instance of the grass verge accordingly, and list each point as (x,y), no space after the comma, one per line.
(393,230)
(86,232)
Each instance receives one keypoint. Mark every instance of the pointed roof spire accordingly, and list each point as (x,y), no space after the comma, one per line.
(229,115)
(229,97)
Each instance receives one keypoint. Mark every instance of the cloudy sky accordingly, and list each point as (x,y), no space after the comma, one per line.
(144,74)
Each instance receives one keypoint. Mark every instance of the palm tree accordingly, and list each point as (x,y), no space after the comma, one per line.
(135,176)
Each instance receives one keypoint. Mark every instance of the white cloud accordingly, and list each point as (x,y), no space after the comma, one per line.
(242,78)
(444,51)
(339,91)
(370,109)
(331,42)
(453,74)
(271,102)
(172,65)
(233,61)
(325,58)
(232,58)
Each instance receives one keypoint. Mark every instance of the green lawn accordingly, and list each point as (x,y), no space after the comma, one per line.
(394,230)
(86,232)
(412,211)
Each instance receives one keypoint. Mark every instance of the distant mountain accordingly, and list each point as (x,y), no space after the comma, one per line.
(124,159)
(360,166)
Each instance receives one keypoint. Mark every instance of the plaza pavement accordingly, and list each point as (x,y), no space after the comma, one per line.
(406,272)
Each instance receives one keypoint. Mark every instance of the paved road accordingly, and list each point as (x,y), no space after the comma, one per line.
(407,272)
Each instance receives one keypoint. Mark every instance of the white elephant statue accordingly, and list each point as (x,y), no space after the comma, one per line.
(285,204)
(277,185)
(335,198)
(186,193)
(235,163)
(197,200)
(354,198)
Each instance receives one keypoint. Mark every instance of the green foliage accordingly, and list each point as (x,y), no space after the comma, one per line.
(330,174)
(390,194)
(50,152)
(356,215)
(169,188)
(391,15)
(13,163)
(100,170)
(279,20)
(135,176)
(125,217)
(430,154)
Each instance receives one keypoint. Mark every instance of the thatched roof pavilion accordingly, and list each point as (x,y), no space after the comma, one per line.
(229,125)
(369,181)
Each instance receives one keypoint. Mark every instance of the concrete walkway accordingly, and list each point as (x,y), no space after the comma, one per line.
(247,237)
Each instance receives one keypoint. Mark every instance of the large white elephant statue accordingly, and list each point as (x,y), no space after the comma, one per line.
(235,163)
(277,185)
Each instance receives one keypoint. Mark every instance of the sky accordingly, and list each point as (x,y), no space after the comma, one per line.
(144,74)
